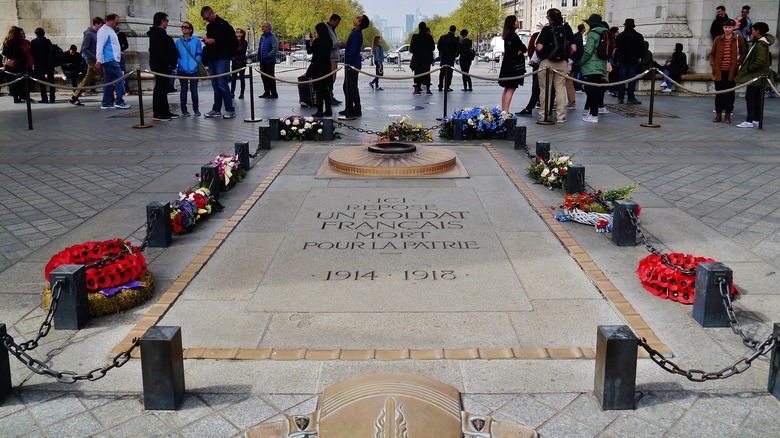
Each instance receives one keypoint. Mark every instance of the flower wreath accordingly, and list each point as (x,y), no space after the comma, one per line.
(403,130)
(296,128)
(551,173)
(115,266)
(229,170)
(191,207)
(666,282)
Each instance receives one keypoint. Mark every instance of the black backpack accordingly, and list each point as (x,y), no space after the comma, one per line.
(606,45)
(55,56)
(560,49)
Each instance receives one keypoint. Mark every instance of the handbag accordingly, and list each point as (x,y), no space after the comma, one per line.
(10,65)
(380,70)
(201,68)
(519,65)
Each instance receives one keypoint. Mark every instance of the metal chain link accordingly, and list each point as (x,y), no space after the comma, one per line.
(42,369)
(736,327)
(368,131)
(149,221)
(664,258)
(694,375)
(45,327)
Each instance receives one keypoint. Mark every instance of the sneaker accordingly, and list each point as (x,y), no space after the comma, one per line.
(634,102)
(229,115)
(571,106)
(579,91)
(603,110)
(666,90)
(524,112)
(75,101)
(185,114)
(173,116)
(211,114)
(755,124)
(586,113)
(106,106)
(561,121)
(197,113)
(590,119)
(64,78)
(379,88)
(747,125)
(372,86)
(121,105)
(161,119)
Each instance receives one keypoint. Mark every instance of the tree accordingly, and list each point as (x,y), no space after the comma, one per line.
(587,7)
(479,17)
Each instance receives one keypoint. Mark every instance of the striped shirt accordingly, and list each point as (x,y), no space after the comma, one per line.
(725,62)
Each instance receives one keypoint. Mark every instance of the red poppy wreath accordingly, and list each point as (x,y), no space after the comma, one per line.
(664,281)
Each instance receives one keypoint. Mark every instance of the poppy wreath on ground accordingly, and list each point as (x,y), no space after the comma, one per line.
(594,208)
(119,278)
(666,282)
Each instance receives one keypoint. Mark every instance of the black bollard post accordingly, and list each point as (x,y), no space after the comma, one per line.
(763,99)
(650,123)
(140,101)
(26,81)
(252,98)
(623,228)
(510,128)
(774,365)
(5,367)
(575,179)
(708,308)
(242,152)
(520,137)
(265,137)
(73,305)
(327,130)
(162,368)
(209,178)
(158,214)
(616,355)
(444,111)
(274,125)
(457,129)
(547,102)
(543,150)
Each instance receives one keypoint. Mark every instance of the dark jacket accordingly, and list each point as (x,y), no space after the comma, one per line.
(71,62)
(162,50)
(421,47)
(449,48)
(89,45)
(40,47)
(756,62)
(629,47)
(716,28)
(320,58)
(225,44)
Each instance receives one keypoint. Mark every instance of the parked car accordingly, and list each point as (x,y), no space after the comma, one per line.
(492,56)
(401,53)
(300,55)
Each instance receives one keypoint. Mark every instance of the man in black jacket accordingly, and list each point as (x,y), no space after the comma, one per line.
(219,46)
(716,28)
(40,48)
(162,59)
(629,49)
(449,48)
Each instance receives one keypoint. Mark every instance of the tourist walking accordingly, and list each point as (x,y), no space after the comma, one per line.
(88,48)
(421,47)
(319,67)
(108,54)
(239,62)
(220,45)
(756,64)
(190,54)
(467,56)
(163,58)
(379,59)
(727,54)
(513,64)
(268,48)
(593,69)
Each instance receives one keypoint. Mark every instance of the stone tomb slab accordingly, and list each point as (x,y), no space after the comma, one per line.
(390,250)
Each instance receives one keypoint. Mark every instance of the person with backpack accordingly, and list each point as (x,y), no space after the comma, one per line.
(555,45)
(629,48)
(593,66)
(467,56)
(41,47)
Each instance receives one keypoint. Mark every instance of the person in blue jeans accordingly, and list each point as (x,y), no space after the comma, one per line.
(220,46)
(379,59)
(108,56)
(190,53)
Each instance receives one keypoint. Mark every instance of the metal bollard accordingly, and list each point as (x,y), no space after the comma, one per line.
(708,308)
(162,368)
(623,229)
(543,150)
(209,178)
(510,129)
(327,130)
(457,129)
(274,125)
(5,368)
(73,305)
(242,152)
(520,137)
(575,179)
(616,355)
(141,125)
(774,365)
(265,137)
(162,230)
(252,117)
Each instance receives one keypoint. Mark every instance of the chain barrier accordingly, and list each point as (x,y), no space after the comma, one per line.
(664,258)
(695,375)
(368,131)
(45,327)
(736,327)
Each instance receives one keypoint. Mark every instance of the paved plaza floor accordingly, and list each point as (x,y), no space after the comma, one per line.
(306,280)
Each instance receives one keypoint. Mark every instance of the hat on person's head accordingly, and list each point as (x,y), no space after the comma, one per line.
(594,20)
(629,23)
(729,22)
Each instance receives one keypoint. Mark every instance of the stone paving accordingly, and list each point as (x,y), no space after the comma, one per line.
(705,176)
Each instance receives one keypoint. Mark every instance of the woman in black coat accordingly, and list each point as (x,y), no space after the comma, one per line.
(513,63)
(421,47)
(319,67)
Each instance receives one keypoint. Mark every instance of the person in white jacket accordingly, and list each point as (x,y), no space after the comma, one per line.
(108,55)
